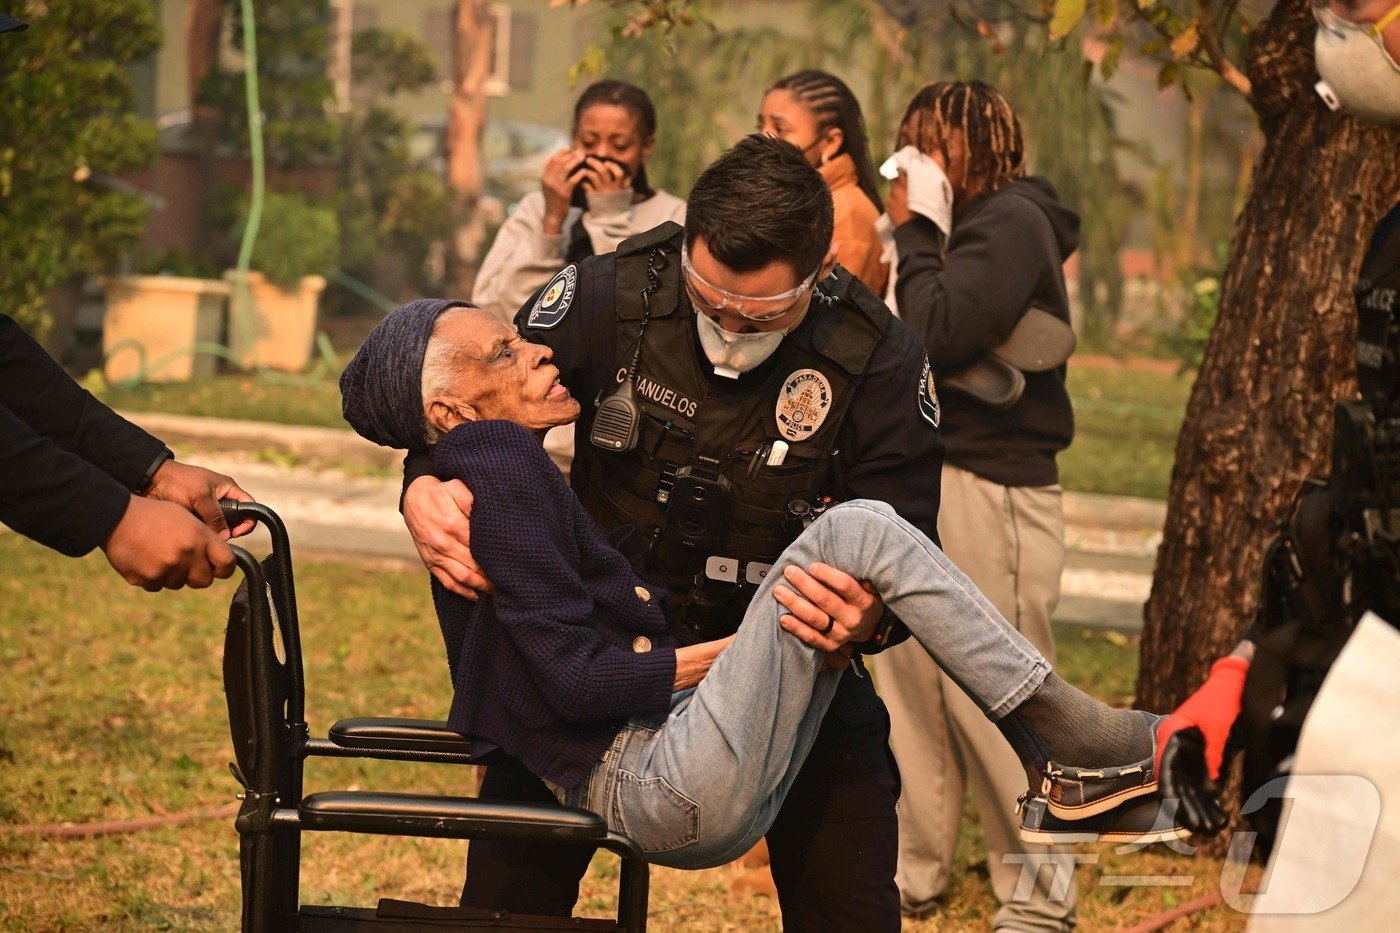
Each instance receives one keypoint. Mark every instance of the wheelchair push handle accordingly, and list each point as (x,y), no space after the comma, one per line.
(236,512)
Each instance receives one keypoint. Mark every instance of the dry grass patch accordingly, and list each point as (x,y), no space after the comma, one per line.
(113,709)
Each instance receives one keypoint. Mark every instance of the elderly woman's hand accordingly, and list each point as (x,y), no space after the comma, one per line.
(827,608)
(438,516)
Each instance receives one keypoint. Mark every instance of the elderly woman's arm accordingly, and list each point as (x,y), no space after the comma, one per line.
(693,662)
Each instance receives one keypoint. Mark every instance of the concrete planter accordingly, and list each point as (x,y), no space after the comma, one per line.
(153,322)
(280,330)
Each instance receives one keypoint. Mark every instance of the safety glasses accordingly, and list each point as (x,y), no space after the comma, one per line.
(759,310)
(1329,20)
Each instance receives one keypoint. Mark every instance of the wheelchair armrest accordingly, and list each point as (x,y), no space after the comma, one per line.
(443,817)
(406,735)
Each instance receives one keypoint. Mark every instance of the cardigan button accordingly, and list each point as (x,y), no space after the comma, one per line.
(642,593)
(641,644)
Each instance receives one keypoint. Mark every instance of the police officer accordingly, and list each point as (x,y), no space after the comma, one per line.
(734,381)
(1336,560)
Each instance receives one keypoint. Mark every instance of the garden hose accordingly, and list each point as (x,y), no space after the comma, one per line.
(241,323)
(242,300)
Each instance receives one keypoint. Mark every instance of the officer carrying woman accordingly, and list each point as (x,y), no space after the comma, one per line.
(743,384)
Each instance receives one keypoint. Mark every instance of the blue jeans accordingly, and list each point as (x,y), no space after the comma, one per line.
(700,785)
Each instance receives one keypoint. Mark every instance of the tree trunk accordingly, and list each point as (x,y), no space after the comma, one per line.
(466,175)
(1282,352)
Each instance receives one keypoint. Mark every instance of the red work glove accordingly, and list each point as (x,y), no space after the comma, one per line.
(1213,709)
(1191,747)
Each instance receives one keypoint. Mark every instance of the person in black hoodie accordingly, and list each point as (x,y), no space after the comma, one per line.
(971,292)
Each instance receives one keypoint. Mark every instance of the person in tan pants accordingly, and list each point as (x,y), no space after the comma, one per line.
(1010,542)
(973,281)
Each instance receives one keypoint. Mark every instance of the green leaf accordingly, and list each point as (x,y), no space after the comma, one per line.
(1168,75)
(591,65)
(1106,12)
(1066,16)
(1153,46)
(1109,63)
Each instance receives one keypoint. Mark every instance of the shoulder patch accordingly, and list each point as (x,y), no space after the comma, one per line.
(928,396)
(803,402)
(553,303)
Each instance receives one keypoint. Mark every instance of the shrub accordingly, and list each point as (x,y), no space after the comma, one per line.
(296,238)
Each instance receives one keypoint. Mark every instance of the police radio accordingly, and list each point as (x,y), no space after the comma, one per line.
(618,421)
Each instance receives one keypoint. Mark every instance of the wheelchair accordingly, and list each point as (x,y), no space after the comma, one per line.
(265,690)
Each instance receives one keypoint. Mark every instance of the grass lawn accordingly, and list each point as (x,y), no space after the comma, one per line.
(244,397)
(113,709)
(1126,419)
(1126,423)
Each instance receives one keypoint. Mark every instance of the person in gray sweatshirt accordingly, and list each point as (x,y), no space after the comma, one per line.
(593,195)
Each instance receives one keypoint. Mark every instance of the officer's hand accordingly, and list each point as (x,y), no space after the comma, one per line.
(438,516)
(829,607)
(557,182)
(200,490)
(897,204)
(161,544)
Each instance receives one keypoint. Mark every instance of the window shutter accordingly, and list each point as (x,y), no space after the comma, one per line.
(439,33)
(522,51)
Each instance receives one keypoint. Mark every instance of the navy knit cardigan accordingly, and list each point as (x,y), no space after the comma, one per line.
(573,642)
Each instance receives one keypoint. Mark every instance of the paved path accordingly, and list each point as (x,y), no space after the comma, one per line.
(1110,542)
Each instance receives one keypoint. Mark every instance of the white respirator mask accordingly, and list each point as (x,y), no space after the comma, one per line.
(731,353)
(1358,74)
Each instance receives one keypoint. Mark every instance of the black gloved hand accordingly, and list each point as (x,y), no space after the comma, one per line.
(1185,778)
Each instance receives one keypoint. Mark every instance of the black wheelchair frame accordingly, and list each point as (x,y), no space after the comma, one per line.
(265,688)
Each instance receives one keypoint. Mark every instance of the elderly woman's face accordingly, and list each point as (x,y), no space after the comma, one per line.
(498,375)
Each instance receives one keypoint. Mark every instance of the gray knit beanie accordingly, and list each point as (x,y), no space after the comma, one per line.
(381,391)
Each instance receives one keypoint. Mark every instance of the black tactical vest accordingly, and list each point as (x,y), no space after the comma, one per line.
(698,489)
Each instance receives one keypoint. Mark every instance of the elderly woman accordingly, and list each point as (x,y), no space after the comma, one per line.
(569,667)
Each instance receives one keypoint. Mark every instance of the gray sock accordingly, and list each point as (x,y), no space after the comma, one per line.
(1062,723)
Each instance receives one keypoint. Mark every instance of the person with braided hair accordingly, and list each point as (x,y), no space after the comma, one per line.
(817,113)
(980,252)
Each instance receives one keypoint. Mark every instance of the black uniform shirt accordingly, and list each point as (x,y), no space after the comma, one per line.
(1378,319)
(68,463)
(889,446)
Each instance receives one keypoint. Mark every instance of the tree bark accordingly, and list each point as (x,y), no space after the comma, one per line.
(466,175)
(1282,352)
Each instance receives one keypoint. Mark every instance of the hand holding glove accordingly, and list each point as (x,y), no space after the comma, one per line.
(925,189)
(1191,745)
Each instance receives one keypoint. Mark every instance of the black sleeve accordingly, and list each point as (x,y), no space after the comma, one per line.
(416,465)
(963,304)
(39,393)
(890,448)
(52,495)
(583,338)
